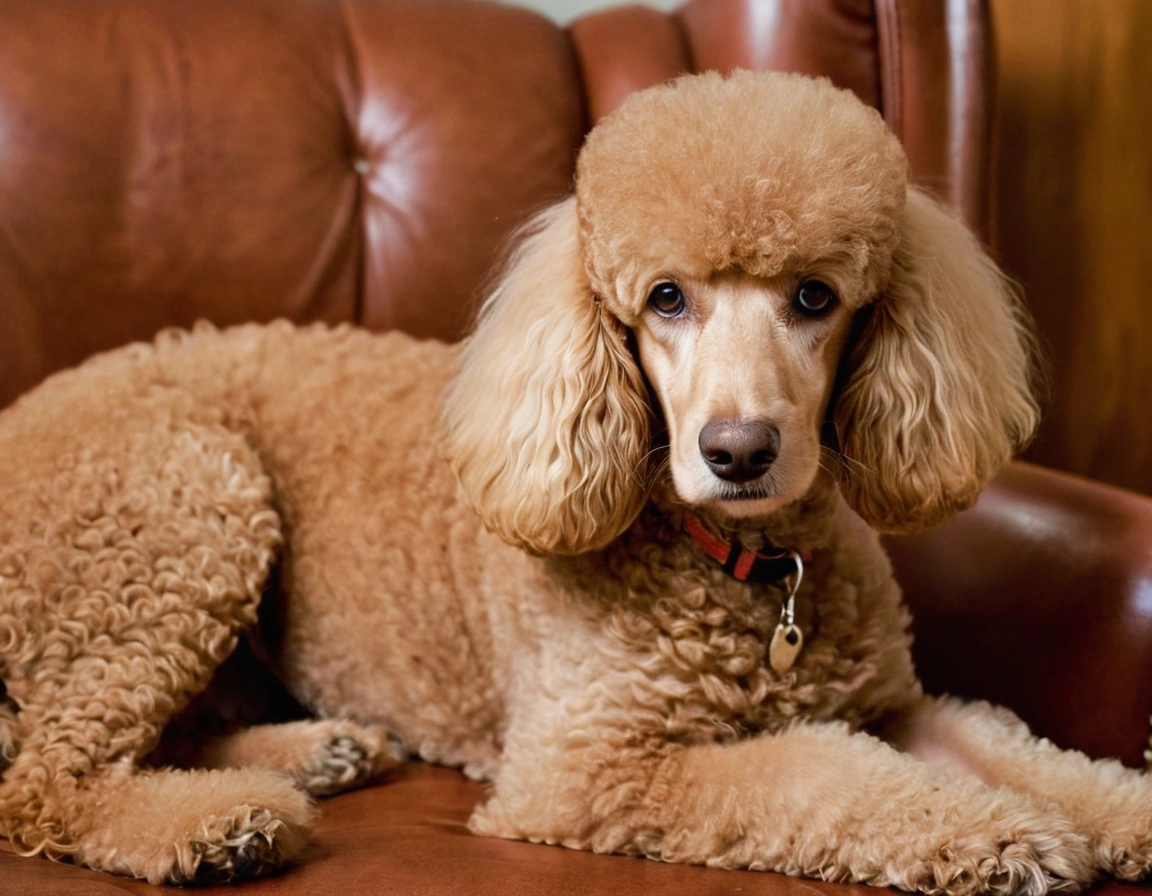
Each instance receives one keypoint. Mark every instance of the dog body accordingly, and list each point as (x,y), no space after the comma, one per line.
(523,589)
(403,636)
(374,620)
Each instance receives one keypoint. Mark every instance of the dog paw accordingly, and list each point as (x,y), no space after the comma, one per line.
(1126,858)
(350,756)
(249,843)
(1032,860)
(1117,815)
(189,827)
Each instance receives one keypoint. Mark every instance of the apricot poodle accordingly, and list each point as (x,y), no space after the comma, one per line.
(633,579)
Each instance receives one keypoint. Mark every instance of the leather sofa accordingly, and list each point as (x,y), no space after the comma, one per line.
(163,161)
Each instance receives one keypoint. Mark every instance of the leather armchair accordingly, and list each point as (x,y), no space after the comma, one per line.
(163,161)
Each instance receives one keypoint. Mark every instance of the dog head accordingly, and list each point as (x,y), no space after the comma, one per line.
(747,250)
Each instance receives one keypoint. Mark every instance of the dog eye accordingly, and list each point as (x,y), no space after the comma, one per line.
(667,300)
(815,298)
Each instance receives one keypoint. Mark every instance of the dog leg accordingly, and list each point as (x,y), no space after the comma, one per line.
(322,756)
(815,800)
(164,826)
(74,789)
(116,605)
(1110,804)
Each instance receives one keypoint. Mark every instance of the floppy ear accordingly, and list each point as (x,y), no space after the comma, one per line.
(939,391)
(547,421)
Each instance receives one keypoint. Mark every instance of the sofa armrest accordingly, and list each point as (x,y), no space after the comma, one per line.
(1040,598)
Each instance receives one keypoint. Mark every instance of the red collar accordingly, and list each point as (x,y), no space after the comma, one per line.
(741,563)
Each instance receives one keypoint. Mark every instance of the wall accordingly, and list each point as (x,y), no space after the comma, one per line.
(564,11)
(1074,194)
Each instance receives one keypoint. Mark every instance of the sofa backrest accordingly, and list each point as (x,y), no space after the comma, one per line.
(164,161)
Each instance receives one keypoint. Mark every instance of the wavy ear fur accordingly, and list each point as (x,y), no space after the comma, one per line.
(939,393)
(547,422)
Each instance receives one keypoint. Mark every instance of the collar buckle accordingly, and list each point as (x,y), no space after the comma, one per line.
(743,564)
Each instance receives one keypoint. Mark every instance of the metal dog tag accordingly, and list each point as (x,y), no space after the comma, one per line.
(787,640)
(785,647)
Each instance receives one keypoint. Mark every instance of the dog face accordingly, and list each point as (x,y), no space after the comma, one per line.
(729,233)
(743,368)
(737,256)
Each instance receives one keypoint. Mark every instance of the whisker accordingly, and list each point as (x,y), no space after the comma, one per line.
(832,460)
(657,471)
(645,475)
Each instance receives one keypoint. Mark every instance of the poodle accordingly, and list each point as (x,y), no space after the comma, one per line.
(617,555)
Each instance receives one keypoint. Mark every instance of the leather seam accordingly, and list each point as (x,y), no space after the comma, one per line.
(889,33)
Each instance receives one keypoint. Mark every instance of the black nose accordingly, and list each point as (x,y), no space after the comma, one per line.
(739,451)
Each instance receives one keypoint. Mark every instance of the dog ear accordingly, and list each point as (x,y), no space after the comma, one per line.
(547,422)
(940,386)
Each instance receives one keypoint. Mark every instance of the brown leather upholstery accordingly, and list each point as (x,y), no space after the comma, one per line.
(163,161)
(924,64)
(408,838)
(1040,598)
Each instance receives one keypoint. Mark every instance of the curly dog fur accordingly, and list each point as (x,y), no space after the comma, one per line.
(745,313)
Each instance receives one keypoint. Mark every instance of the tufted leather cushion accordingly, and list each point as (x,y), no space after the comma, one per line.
(164,161)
